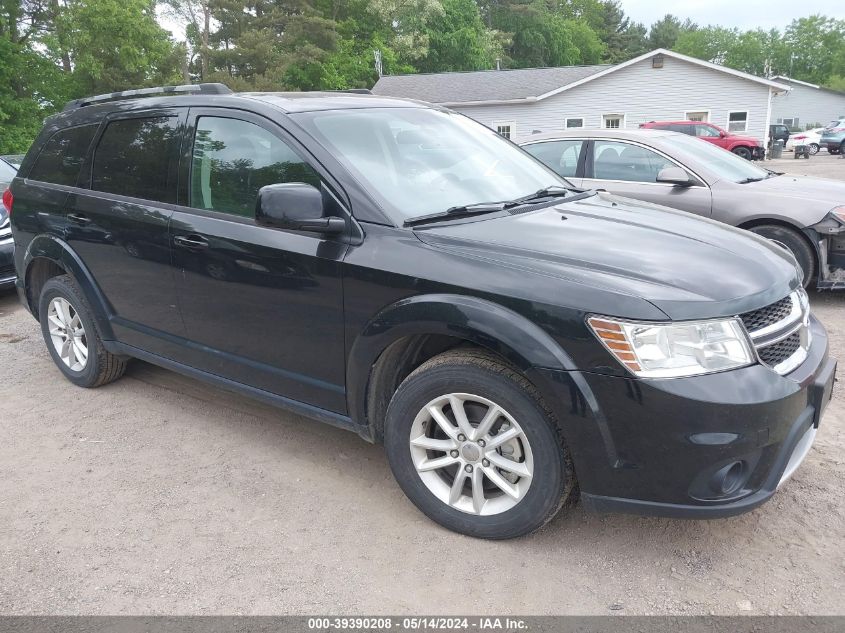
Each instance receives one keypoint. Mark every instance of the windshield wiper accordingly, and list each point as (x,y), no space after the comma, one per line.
(747,180)
(461,211)
(545,192)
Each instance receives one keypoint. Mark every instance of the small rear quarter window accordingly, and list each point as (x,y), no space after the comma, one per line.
(61,157)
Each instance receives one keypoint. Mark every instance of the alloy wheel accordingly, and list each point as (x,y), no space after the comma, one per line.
(67,334)
(471,454)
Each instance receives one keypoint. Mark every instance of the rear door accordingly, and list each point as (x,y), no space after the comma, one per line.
(118,223)
(630,169)
(262,306)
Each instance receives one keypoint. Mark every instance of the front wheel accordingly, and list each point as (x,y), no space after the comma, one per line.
(742,152)
(472,446)
(795,244)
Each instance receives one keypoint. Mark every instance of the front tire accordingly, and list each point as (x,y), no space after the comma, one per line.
(72,337)
(473,447)
(795,244)
(742,152)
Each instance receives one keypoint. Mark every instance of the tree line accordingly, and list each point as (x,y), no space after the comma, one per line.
(55,50)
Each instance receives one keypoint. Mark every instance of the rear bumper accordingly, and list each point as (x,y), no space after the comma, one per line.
(758,153)
(667,447)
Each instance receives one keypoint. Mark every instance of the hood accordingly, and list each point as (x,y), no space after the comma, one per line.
(744,139)
(688,267)
(815,196)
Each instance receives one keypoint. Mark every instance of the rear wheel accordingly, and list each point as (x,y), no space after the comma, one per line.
(72,338)
(795,244)
(832,150)
(742,152)
(473,447)
(814,148)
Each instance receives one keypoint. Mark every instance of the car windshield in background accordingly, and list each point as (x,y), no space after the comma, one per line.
(7,172)
(419,161)
(726,165)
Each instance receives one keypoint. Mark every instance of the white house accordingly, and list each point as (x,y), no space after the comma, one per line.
(806,104)
(659,86)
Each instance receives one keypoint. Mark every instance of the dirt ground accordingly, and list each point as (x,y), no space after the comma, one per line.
(161,495)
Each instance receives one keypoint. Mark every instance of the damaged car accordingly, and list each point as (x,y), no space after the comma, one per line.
(804,215)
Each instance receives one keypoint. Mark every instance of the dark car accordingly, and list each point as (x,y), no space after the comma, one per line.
(833,137)
(8,169)
(743,146)
(779,132)
(401,271)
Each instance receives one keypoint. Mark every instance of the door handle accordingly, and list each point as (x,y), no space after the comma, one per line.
(78,218)
(191,242)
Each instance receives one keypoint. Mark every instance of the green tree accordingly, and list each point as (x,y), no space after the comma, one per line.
(458,39)
(665,32)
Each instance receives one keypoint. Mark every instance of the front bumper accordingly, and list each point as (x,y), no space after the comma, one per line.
(667,447)
(7,262)
(758,153)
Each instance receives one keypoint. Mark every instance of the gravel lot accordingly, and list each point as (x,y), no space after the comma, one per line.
(160,495)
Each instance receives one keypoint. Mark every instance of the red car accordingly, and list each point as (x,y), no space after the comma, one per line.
(744,146)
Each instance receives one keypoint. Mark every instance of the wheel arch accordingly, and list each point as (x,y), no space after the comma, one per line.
(47,256)
(410,331)
(796,228)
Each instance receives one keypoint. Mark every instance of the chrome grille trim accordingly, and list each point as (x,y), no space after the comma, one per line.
(797,321)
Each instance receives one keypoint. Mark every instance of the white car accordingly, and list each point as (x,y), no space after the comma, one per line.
(810,137)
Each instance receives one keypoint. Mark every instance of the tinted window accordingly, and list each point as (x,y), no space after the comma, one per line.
(679,127)
(233,159)
(133,159)
(562,156)
(61,157)
(621,161)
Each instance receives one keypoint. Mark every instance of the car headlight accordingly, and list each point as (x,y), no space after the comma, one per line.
(672,350)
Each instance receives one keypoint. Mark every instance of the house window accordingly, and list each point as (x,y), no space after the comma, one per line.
(575,123)
(790,123)
(613,121)
(505,128)
(737,121)
(701,116)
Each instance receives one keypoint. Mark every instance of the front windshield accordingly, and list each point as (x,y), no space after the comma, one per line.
(419,161)
(724,164)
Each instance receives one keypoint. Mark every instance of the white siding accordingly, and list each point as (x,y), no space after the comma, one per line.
(642,94)
(810,105)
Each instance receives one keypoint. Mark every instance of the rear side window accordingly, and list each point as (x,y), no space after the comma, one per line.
(133,159)
(233,159)
(61,157)
(562,156)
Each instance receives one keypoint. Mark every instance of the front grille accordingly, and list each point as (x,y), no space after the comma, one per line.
(774,355)
(764,317)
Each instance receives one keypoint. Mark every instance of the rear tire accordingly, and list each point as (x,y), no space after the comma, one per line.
(72,338)
(742,152)
(795,244)
(481,484)
(814,148)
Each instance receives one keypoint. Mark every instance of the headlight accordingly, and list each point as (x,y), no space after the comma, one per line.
(672,350)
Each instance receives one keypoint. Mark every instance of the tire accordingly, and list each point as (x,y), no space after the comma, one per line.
(482,381)
(814,148)
(795,244)
(742,152)
(62,308)
(832,150)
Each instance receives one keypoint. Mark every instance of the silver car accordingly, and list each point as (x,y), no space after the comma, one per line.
(806,215)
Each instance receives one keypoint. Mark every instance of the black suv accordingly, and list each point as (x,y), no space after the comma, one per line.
(403,272)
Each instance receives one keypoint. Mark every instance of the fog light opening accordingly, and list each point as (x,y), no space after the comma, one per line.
(729,478)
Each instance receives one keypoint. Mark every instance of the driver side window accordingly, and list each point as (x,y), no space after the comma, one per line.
(561,156)
(614,160)
(233,159)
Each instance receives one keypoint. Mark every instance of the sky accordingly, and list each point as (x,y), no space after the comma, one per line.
(743,14)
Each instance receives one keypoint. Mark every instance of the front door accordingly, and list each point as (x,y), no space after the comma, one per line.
(262,306)
(630,170)
(119,224)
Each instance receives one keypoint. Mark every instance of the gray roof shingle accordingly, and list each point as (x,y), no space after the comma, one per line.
(483,85)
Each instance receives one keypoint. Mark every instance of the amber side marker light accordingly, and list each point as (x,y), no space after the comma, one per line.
(614,339)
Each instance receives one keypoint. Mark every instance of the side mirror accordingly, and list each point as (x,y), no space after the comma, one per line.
(296,206)
(722,134)
(674,176)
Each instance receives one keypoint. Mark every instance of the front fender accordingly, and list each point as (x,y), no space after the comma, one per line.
(60,253)
(492,326)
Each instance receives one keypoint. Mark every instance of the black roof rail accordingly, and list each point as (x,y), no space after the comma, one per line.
(357,91)
(205,89)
